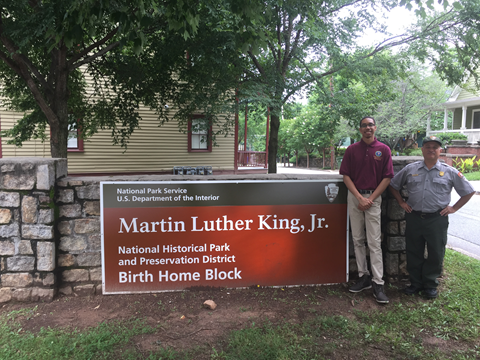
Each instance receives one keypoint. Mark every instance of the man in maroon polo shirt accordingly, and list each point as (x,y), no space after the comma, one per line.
(367,170)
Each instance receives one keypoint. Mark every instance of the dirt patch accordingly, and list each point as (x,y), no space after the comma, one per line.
(185,323)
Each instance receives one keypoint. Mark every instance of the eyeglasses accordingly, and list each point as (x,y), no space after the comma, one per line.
(369,125)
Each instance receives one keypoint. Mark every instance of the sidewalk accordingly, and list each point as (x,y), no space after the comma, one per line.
(476,186)
(294,170)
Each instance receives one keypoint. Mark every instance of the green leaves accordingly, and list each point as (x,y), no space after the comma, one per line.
(457,5)
(407,113)
(108,39)
(274,49)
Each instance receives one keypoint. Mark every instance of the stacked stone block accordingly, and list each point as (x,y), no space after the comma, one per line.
(393,231)
(395,259)
(79,247)
(50,228)
(27,231)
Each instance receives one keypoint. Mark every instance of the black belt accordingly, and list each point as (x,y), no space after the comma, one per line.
(423,215)
(366,191)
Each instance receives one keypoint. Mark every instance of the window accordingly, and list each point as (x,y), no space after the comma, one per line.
(74,141)
(476,119)
(199,130)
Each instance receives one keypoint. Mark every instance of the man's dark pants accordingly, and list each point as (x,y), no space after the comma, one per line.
(433,232)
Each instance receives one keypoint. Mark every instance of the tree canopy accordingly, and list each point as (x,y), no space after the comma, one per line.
(306,43)
(49,47)
(449,41)
(417,96)
(351,94)
(196,53)
(43,46)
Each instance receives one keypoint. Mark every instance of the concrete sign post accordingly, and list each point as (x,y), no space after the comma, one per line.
(163,236)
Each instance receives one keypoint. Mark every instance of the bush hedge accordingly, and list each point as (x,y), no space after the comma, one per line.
(448,137)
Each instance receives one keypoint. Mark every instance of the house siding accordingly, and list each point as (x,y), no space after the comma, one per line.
(35,147)
(151,149)
(465,96)
(469,90)
(457,120)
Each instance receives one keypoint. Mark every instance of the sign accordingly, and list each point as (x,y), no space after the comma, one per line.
(162,236)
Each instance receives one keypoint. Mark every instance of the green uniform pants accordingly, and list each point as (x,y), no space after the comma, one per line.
(432,232)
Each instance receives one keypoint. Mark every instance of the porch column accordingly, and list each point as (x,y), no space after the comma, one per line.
(445,120)
(429,118)
(464,118)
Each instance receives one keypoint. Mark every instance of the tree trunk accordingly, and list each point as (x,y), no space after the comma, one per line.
(308,157)
(332,157)
(273,142)
(59,104)
(59,138)
(53,104)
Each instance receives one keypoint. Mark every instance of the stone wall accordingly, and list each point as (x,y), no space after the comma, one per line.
(393,228)
(50,230)
(79,258)
(27,228)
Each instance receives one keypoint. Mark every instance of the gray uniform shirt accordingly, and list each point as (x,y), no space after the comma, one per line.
(429,190)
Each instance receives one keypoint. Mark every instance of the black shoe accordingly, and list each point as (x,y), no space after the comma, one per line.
(379,293)
(430,293)
(363,283)
(412,290)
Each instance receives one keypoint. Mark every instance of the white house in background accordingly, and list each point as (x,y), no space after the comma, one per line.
(463,106)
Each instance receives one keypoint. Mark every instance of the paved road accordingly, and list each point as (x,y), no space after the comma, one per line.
(464,228)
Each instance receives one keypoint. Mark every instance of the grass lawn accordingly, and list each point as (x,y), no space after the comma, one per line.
(408,328)
(473,176)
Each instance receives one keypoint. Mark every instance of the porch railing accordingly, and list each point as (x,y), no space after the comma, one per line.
(472,134)
(251,158)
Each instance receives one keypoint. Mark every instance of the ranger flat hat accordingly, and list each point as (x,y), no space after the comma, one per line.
(432,138)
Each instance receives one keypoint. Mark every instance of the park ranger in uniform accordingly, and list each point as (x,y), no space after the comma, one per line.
(429,184)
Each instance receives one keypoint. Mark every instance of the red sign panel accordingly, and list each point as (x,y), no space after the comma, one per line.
(177,235)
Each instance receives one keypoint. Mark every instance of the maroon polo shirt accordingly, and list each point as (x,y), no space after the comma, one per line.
(367,165)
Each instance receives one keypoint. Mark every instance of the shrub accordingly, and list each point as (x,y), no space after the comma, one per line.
(448,137)
(413,152)
(465,166)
